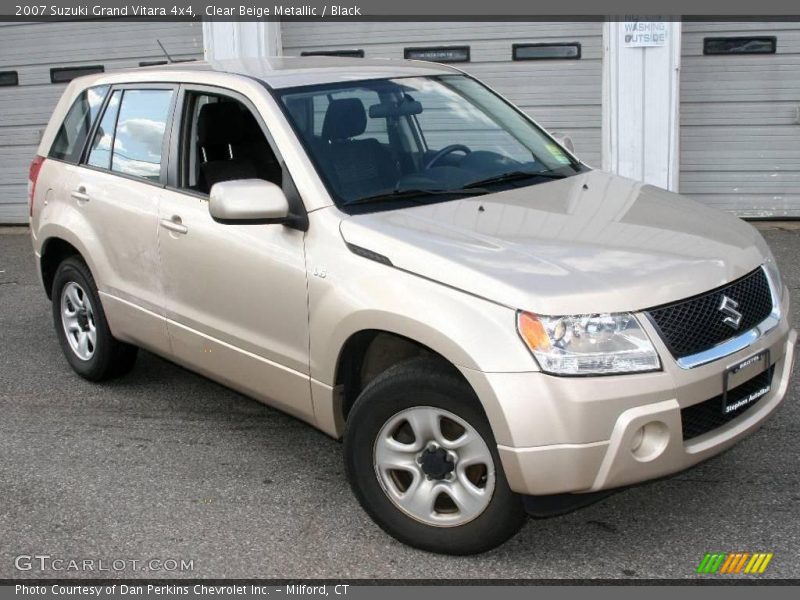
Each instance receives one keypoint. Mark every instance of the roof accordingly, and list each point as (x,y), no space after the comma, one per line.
(290,71)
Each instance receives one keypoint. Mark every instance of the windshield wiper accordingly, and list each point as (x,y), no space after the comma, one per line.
(412,193)
(513,176)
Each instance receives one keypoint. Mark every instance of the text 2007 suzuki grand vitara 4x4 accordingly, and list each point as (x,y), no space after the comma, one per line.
(397,255)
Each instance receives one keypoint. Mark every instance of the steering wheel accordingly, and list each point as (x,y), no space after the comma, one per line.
(445,151)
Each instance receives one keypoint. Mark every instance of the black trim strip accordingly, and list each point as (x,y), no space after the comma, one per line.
(9,78)
(408,53)
(742,40)
(369,254)
(78,71)
(515,48)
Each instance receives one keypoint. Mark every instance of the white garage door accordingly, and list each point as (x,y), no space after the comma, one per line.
(30,50)
(564,95)
(740,117)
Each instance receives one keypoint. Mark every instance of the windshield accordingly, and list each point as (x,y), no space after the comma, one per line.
(386,142)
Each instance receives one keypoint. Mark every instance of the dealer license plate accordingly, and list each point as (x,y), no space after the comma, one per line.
(733,397)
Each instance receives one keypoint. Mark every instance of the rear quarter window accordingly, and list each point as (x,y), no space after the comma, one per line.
(75,129)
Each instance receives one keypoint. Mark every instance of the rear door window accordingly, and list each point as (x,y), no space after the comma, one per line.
(139,135)
(73,132)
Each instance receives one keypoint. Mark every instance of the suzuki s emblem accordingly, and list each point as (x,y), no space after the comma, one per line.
(728,307)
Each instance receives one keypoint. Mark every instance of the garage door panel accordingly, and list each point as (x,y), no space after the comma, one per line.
(560,117)
(18,136)
(530,101)
(766,83)
(75,42)
(788,41)
(752,94)
(728,66)
(767,161)
(296,36)
(736,27)
(565,70)
(740,121)
(14,163)
(756,113)
(754,205)
(563,95)
(30,106)
(743,136)
(39,75)
(754,182)
(587,143)
(483,51)
(32,49)
(16,211)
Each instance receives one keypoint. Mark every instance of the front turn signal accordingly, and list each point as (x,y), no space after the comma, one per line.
(532,331)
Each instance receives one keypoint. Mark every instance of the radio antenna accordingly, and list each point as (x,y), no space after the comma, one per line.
(164,50)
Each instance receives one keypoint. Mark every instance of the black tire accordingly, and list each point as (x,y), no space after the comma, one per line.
(111,358)
(422,382)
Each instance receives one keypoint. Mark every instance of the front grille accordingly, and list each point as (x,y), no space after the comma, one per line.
(696,324)
(707,416)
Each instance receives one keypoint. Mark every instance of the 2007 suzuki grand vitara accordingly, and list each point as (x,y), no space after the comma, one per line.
(392,252)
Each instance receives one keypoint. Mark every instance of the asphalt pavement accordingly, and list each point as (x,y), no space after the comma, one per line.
(166,465)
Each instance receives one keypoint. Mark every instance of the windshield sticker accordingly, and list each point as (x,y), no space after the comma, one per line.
(557,153)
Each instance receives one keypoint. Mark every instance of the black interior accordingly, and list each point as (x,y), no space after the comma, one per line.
(231,145)
(359,166)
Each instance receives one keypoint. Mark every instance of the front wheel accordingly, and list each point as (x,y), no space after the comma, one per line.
(422,460)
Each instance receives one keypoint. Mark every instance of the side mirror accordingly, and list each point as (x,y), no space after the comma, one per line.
(247,201)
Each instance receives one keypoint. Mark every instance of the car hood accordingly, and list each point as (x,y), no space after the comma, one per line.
(593,242)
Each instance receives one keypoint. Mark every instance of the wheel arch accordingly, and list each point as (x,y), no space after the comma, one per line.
(365,352)
(368,353)
(54,250)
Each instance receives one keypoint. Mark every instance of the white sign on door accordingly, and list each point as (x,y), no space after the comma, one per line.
(643,34)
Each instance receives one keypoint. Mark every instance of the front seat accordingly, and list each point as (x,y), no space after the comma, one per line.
(359,167)
(255,146)
(220,128)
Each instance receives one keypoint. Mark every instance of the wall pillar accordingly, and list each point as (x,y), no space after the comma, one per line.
(641,102)
(241,39)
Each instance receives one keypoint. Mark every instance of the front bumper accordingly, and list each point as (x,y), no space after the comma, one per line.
(559,434)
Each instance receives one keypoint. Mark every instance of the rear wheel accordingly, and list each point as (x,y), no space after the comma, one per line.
(422,460)
(82,328)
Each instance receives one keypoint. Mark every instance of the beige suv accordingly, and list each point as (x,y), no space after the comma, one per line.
(397,255)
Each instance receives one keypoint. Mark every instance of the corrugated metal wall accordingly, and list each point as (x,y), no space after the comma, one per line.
(740,114)
(562,95)
(32,49)
(740,121)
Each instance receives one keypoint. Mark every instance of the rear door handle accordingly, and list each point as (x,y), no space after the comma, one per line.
(174,224)
(80,194)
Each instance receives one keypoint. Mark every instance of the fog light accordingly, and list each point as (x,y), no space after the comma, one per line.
(649,441)
(638,437)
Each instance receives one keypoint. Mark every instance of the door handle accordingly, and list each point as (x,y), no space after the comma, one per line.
(174,224)
(80,194)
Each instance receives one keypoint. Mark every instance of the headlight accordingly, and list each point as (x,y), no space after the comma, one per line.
(588,344)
